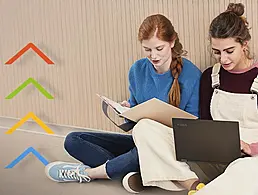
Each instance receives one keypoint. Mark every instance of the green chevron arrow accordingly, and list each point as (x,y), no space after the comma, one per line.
(27,82)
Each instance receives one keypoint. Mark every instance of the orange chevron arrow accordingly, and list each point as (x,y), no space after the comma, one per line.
(27,47)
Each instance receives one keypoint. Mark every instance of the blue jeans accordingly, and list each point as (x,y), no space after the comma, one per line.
(95,149)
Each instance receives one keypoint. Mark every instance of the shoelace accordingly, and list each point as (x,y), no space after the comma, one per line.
(74,174)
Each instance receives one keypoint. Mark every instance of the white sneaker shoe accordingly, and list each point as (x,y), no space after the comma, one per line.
(132,182)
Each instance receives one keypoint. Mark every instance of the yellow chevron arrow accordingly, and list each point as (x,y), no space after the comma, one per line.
(27,117)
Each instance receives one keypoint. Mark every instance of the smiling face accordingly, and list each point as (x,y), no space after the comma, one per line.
(158,52)
(230,53)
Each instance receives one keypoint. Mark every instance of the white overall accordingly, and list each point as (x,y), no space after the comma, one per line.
(241,176)
(155,142)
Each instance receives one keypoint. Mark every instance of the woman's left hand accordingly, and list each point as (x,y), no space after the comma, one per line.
(245,147)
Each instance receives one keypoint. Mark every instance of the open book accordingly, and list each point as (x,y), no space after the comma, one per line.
(154,109)
(118,108)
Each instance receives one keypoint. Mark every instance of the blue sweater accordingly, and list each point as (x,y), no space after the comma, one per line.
(145,83)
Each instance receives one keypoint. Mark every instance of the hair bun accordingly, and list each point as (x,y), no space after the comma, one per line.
(237,8)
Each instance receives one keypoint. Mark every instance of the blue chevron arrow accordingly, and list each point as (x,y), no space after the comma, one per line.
(24,154)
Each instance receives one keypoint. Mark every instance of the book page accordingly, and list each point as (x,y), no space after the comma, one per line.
(116,106)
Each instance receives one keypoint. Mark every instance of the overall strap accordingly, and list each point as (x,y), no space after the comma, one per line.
(215,75)
(254,87)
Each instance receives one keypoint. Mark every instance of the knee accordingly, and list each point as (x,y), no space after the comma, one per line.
(69,140)
(141,129)
(240,164)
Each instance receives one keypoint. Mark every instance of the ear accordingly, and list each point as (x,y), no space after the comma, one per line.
(245,44)
(172,44)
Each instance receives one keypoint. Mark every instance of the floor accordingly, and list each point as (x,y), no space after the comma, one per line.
(28,177)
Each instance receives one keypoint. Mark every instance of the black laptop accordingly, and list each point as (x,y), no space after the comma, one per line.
(206,140)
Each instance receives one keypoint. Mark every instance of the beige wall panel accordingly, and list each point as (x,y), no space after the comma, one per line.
(93,43)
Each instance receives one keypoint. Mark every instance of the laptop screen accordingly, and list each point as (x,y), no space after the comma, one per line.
(206,140)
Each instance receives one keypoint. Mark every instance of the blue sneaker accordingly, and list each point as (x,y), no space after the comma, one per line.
(67,172)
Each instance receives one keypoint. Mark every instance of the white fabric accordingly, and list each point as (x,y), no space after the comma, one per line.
(254,87)
(155,144)
(237,107)
(215,75)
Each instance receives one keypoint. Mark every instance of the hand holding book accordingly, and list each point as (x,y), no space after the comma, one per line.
(125,104)
(118,108)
